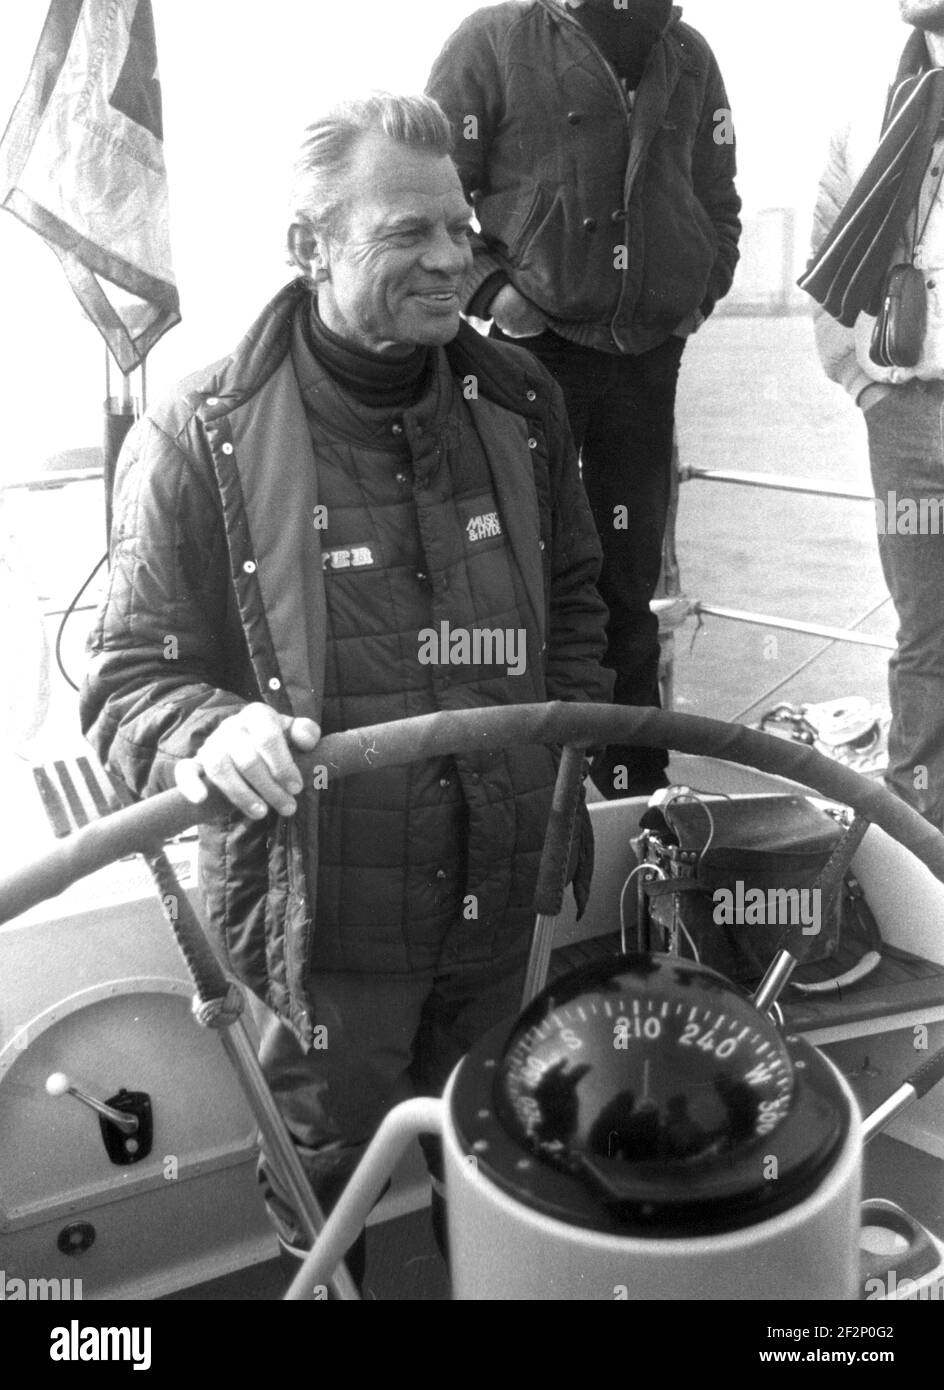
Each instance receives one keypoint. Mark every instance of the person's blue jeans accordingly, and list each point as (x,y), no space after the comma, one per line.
(906,447)
(622,413)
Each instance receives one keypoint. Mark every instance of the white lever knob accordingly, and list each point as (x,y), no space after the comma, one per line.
(58,1084)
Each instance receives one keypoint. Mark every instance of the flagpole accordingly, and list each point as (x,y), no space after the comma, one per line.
(124,393)
(120,415)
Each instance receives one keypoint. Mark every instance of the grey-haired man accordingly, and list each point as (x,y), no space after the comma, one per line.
(362,469)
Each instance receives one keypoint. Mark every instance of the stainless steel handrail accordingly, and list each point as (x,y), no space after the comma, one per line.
(833,634)
(774,482)
(43,482)
(673,608)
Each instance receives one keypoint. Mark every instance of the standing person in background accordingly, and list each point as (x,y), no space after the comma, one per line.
(595,142)
(880,207)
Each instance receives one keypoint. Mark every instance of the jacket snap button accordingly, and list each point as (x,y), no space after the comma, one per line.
(401,477)
(213,400)
(619,215)
(440,873)
(532,395)
(250,566)
(444,781)
(421,576)
(227,448)
(573,117)
(396,429)
(275,683)
(532,443)
(590,224)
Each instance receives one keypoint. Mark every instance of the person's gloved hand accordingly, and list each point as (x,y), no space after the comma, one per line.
(248,757)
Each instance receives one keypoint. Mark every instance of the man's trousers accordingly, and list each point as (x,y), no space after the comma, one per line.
(622,414)
(906,446)
(386,1038)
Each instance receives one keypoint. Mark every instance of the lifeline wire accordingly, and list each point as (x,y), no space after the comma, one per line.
(804,664)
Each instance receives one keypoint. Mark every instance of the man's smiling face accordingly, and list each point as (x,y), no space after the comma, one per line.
(396,265)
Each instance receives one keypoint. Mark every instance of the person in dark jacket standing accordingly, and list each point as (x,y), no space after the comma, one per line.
(595,142)
(294,529)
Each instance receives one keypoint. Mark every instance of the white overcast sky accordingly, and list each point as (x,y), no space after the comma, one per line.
(241,77)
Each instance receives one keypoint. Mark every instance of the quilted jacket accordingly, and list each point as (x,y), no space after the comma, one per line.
(216,597)
(618,219)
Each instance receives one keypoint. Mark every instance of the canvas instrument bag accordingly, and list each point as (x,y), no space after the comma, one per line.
(738,880)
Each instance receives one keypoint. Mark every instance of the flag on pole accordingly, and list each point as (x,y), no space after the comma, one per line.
(82,163)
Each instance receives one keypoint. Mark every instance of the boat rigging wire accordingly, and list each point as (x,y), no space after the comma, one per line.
(808,661)
(73,604)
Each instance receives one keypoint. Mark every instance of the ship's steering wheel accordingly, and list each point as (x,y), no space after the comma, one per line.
(573,726)
(145,827)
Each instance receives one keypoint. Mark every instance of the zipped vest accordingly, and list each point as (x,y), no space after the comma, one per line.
(425,610)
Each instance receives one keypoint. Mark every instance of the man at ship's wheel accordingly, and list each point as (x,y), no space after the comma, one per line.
(367,512)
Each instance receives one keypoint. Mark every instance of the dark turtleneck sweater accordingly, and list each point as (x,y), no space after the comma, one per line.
(373,378)
(625,37)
